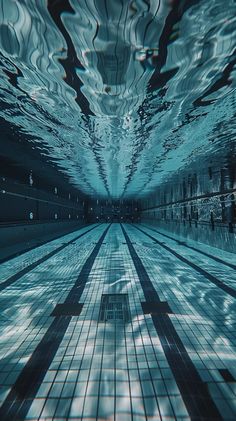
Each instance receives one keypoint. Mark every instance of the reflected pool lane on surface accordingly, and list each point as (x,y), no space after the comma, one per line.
(102,368)
(157,67)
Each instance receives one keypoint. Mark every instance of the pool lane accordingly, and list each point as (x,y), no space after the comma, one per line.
(9,281)
(194,391)
(206,273)
(162,364)
(195,249)
(22,394)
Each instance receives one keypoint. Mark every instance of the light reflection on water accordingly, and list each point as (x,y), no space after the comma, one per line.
(120,94)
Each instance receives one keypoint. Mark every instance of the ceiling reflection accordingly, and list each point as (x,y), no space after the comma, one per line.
(122,96)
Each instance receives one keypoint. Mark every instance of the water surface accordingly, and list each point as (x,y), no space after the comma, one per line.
(122,96)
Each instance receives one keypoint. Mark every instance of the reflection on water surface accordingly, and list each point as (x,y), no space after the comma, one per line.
(121,95)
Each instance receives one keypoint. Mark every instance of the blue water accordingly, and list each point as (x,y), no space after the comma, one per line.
(123,96)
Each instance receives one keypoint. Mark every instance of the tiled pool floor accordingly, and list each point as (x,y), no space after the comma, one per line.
(166,365)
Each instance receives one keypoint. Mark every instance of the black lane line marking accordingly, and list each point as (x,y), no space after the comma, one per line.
(226,375)
(71,309)
(211,278)
(217,259)
(193,390)
(156,307)
(22,394)
(43,259)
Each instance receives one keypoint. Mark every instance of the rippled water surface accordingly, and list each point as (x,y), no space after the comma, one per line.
(122,95)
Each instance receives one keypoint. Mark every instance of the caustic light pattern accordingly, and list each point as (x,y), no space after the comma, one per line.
(125,111)
(150,341)
(120,94)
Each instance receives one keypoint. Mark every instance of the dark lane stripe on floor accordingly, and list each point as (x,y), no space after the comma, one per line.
(194,391)
(43,259)
(22,394)
(211,278)
(217,259)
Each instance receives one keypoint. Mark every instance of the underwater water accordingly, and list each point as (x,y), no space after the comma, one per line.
(122,96)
